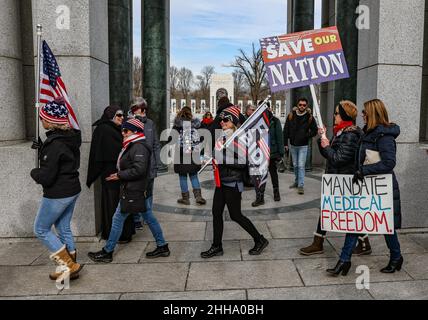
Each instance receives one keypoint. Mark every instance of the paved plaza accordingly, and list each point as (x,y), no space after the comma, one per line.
(279,273)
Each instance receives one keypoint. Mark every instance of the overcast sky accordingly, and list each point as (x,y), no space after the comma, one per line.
(207,32)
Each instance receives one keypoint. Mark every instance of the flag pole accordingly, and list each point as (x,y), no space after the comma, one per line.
(317,112)
(37,96)
(237,132)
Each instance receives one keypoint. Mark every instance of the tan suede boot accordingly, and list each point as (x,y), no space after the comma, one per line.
(55,275)
(315,248)
(66,262)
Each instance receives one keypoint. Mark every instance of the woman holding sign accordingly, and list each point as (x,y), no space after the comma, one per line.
(341,155)
(377,156)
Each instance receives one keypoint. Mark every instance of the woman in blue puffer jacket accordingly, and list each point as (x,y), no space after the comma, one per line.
(379,136)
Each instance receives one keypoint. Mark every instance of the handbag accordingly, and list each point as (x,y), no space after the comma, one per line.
(372,157)
(132,202)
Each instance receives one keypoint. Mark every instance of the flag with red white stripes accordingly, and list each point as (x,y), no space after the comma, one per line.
(52,86)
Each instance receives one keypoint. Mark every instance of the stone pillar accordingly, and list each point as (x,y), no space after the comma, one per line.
(302,20)
(120,52)
(424,103)
(390,68)
(346,17)
(12,120)
(83,56)
(155,59)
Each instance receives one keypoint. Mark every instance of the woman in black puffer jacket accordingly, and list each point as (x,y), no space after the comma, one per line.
(59,176)
(133,166)
(341,157)
(229,175)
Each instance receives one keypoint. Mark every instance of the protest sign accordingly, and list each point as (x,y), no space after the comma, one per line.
(304,58)
(364,208)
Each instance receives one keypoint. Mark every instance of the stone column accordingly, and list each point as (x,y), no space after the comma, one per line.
(346,17)
(302,20)
(83,56)
(120,51)
(155,59)
(12,120)
(390,68)
(424,104)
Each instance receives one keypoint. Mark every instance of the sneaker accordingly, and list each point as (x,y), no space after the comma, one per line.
(138,226)
(159,252)
(101,256)
(212,252)
(293,186)
(301,190)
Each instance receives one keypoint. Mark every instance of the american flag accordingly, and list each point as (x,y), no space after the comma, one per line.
(251,141)
(52,86)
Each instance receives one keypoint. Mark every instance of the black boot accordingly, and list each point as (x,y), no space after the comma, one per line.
(276,195)
(260,245)
(101,256)
(214,251)
(159,252)
(393,265)
(341,267)
(260,200)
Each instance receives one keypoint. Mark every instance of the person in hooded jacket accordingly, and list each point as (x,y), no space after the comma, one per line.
(58,174)
(188,148)
(341,156)
(379,137)
(105,148)
(132,172)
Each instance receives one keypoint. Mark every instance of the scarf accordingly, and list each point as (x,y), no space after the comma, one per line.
(338,129)
(127,142)
(207,121)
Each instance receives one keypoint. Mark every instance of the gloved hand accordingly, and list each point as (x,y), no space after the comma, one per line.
(37,144)
(358,176)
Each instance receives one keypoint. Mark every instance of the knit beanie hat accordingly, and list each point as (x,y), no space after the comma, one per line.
(134,125)
(55,112)
(231,113)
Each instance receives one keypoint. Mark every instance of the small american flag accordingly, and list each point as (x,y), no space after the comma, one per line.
(51,85)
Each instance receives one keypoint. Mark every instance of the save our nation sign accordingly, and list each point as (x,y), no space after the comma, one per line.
(363,208)
(304,58)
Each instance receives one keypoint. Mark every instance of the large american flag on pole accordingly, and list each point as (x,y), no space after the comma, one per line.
(51,85)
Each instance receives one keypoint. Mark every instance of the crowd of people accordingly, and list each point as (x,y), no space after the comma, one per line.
(125,157)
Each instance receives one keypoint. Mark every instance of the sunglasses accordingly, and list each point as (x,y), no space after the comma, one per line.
(225,120)
(364,112)
(302,105)
(119,115)
(336,113)
(125,131)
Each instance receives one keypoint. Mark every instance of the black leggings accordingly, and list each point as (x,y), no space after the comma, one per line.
(232,198)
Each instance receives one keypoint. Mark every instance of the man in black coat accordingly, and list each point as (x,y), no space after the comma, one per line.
(299,128)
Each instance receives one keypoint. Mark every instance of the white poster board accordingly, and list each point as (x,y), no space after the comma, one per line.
(364,208)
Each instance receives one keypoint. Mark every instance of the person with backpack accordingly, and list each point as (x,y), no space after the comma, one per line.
(299,129)
(133,167)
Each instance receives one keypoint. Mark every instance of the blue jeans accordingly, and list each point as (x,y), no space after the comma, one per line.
(149,202)
(117,227)
(58,213)
(193,179)
(352,239)
(299,156)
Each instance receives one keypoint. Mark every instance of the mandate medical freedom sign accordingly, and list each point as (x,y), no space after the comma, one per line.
(363,208)
(304,58)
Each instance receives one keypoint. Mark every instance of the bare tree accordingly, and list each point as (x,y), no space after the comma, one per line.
(137,77)
(173,77)
(240,83)
(253,69)
(204,81)
(185,81)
